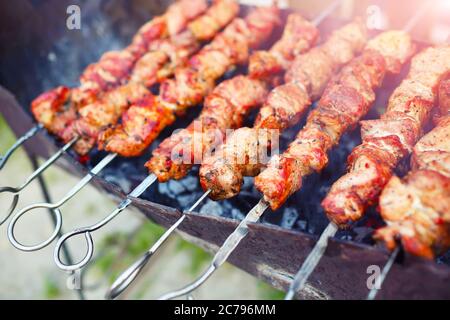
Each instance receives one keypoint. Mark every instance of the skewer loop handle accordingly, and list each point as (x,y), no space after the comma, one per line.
(12,206)
(130,274)
(18,143)
(28,248)
(87,257)
(17,190)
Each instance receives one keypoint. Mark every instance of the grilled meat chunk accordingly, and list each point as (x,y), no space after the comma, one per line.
(59,106)
(159,62)
(432,152)
(52,109)
(283,108)
(417,208)
(141,124)
(389,139)
(444,99)
(417,211)
(97,116)
(207,26)
(225,109)
(297,38)
(347,98)
(114,68)
(193,81)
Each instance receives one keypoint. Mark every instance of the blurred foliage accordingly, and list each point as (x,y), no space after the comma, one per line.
(136,244)
(51,288)
(140,294)
(120,249)
(266,292)
(148,234)
(6,136)
(105,261)
(198,256)
(7,139)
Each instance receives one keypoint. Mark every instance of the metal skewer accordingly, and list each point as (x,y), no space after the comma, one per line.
(55,208)
(28,135)
(16,191)
(49,162)
(45,193)
(224,252)
(88,230)
(319,249)
(129,275)
(311,261)
(374,291)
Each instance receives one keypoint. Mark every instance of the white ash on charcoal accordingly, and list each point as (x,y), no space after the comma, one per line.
(289,217)
(211,208)
(444,259)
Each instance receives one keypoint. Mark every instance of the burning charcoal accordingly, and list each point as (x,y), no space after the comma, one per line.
(345,235)
(179,193)
(186,201)
(227,208)
(301,225)
(171,189)
(444,259)
(248,186)
(363,235)
(163,189)
(190,183)
(119,181)
(289,216)
(237,214)
(311,229)
(176,188)
(211,208)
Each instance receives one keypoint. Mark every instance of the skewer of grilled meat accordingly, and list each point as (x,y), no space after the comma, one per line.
(298,36)
(131,273)
(417,208)
(345,101)
(442,110)
(389,139)
(223,172)
(191,83)
(56,108)
(196,81)
(166,55)
(258,26)
(227,106)
(114,67)
(106,112)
